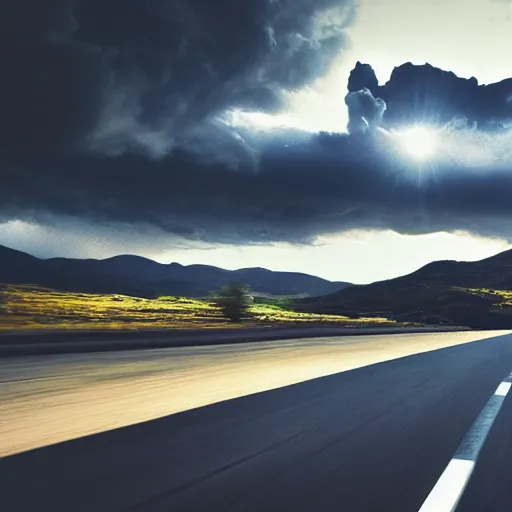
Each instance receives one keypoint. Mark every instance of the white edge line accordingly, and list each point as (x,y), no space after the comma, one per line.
(448,490)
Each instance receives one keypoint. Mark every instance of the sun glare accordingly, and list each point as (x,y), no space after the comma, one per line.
(418,141)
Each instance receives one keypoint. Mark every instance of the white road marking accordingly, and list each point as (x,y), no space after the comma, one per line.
(503,389)
(448,490)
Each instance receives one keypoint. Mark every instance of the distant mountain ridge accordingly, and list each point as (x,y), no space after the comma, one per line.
(135,275)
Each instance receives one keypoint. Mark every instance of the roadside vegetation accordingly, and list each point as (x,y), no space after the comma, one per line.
(32,307)
(234,301)
(501,299)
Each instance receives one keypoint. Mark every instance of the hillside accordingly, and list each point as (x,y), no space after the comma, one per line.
(137,276)
(475,294)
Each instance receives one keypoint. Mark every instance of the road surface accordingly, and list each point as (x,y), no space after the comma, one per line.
(316,426)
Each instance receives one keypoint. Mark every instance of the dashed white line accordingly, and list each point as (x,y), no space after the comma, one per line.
(503,389)
(448,490)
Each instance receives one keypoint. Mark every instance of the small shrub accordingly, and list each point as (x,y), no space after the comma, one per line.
(233,300)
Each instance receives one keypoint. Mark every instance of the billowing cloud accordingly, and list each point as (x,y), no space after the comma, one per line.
(426,94)
(329,184)
(134,75)
(364,111)
(113,113)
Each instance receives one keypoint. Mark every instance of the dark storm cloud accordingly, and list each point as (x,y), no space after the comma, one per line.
(94,96)
(51,86)
(425,94)
(118,75)
(329,184)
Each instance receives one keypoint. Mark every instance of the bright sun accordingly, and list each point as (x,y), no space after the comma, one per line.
(418,141)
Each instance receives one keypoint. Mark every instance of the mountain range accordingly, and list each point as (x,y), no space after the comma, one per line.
(473,294)
(134,275)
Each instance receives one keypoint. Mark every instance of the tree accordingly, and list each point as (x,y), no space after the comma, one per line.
(233,300)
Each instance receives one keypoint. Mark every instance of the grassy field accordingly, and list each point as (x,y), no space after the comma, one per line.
(30,307)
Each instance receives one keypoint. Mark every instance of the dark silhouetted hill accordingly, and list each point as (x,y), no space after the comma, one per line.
(473,294)
(134,275)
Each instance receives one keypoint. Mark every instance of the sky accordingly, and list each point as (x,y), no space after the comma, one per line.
(227,137)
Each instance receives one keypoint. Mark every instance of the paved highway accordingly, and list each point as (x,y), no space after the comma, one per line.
(311,424)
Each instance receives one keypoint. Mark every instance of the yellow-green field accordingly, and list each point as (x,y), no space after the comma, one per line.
(31,307)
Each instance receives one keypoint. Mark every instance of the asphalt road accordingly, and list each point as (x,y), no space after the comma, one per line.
(49,399)
(374,438)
